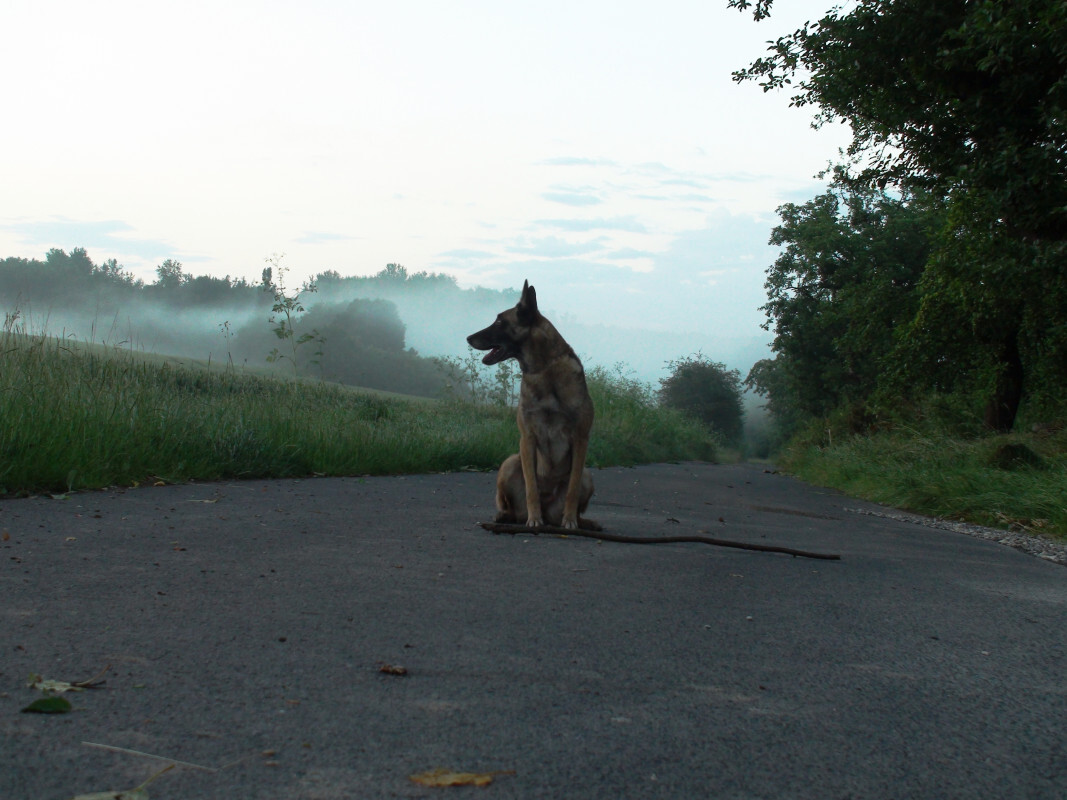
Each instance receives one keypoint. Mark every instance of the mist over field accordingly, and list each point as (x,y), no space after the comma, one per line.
(438,323)
(228,321)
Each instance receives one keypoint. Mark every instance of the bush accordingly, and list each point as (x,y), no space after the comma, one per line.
(707,391)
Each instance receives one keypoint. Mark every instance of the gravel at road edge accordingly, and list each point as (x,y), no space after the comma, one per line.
(1032,544)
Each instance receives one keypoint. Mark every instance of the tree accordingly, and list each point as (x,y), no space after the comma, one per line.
(393,272)
(706,390)
(359,323)
(962,100)
(170,274)
(948,96)
(844,284)
(991,319)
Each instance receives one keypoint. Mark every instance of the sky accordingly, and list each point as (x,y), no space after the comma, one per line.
(598,148)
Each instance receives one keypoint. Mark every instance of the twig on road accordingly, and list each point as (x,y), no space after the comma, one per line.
(501,527)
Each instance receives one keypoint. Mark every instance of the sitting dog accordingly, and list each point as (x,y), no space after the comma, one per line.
(547,481)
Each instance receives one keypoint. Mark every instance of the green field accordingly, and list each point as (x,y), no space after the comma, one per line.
(80,416)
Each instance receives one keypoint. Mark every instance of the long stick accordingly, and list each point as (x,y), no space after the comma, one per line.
(501,527)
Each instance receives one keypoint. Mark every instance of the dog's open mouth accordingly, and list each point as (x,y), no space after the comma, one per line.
(493,356)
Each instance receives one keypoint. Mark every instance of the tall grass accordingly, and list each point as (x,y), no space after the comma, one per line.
(632,428)
(74,417)
(1017,481)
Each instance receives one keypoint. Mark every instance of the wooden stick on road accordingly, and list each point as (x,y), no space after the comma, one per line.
(501,527)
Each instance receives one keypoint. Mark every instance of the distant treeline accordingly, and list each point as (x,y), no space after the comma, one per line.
(351,328)
(71,279)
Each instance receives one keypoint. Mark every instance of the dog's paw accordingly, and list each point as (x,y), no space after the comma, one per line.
(534,522)
(570,523)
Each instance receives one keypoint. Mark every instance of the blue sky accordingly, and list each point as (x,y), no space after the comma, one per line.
(600,149)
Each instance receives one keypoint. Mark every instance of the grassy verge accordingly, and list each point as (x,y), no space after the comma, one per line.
(1017,481)
(75,417)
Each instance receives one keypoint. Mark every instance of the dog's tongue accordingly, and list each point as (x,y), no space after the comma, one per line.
(492,356)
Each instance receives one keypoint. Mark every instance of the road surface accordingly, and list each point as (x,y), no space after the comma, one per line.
(246,625)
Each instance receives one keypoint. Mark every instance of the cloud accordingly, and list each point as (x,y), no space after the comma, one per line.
(629,224)
(573,161)
(112,236)
(627,254)
(469,255)
(320,237)
(655,166)
(572,198)
(554,247)
(693,184)
(694,198)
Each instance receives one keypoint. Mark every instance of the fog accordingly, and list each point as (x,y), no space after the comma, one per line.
(438,323)
(223,322)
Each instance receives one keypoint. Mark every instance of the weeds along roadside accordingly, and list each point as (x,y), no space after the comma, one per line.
(79,417)
(1016,481)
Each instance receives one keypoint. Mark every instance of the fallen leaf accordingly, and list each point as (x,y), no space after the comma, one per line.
(393,669)
(447,777)
(49,705)
(49,686)
(54,687)
(6,537)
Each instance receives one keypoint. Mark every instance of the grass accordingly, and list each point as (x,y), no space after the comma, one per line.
(1016,481)
(80,417)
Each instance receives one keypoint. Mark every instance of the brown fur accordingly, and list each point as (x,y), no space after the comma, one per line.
(546,482)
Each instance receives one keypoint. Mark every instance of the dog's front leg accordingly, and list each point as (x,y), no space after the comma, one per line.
(527,449)
(574,483)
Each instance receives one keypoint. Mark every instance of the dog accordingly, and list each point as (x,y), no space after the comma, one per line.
(547,481)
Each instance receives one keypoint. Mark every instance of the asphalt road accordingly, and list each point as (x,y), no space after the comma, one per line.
(246,624)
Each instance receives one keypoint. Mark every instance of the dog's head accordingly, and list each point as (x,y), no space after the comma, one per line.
(505,337)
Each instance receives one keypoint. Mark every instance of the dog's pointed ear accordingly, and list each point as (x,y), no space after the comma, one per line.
(527,306)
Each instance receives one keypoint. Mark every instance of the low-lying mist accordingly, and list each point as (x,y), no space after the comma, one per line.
(417,317)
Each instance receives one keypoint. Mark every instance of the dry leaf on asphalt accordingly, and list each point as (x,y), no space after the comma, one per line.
(448,777)
(50,687)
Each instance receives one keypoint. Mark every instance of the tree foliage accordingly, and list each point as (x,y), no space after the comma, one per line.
(959,106)
(844,284)
(706,390)
(958,95)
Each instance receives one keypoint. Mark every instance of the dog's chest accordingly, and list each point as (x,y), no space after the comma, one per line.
(552,417)
(554,433)
(547,416)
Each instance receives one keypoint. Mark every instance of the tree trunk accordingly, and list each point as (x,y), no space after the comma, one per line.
(1002,407)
